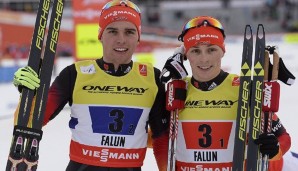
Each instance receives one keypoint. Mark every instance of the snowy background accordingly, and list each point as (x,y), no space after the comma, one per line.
(55,143)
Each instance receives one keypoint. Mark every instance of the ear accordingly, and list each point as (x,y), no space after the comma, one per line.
(223,53)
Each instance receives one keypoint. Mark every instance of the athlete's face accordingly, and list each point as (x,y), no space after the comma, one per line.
(205,61)
(119,41)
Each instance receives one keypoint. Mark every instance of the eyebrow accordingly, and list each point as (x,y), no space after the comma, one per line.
(131,29)
(211,45)
(127,29)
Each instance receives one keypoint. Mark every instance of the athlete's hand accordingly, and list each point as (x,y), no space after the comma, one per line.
(269,144)
(174,66)
(26,77)
(284,75)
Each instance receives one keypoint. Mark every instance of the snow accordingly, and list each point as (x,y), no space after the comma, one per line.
(55,143)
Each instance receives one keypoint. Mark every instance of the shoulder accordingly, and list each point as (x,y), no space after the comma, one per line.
(84,62)
(234,78)
(147,64)
(68,70)
(156,71)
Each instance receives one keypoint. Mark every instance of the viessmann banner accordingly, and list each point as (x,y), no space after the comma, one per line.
(86,16)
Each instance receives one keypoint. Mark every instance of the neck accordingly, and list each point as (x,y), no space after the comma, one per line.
(121,69)
(211,84)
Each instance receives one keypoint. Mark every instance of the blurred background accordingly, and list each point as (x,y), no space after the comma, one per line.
(161,23)
(170,15)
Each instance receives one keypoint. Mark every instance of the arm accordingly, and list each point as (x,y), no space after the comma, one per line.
(60,93)
(284,139)
(282,135)
(276,143)
(160,149)
(159,123)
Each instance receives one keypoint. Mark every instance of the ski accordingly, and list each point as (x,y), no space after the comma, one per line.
(23,155)
(243,101)
(175,97)
(172,140)
(256,101)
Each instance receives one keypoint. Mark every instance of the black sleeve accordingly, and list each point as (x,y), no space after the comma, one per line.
(159,116)
(277,127)
(61,90)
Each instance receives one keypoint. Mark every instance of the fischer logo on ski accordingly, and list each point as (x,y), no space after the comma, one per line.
(250,102)
(254,129)
(23,155)
(243,101)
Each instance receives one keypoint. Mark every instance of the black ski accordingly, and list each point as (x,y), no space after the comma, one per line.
(256,101)
(27,130)
(243,101)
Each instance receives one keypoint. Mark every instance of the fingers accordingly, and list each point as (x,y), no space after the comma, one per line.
(31,74)
(26,77)
(29,84)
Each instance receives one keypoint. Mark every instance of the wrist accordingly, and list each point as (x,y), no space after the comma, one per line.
(278,156)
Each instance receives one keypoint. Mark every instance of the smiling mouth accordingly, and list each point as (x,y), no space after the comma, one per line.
(121,49)
(204,67)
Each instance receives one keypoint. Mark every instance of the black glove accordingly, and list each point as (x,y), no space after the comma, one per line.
(174,66)
(269,144)
(284,74)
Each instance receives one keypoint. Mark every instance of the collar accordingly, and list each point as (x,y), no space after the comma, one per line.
(109,67)
(210,85)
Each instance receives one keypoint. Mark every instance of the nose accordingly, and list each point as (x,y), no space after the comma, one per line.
(121,38)
(204,57)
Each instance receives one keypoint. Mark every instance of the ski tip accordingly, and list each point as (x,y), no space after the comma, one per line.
(261,31)
(248,32)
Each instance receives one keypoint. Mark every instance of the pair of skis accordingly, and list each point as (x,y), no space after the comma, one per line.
(23,155)
(258,100)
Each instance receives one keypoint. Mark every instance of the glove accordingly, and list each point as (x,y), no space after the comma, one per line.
(174,66)
(176,95)
(26,77)
(269,144)
(284,74)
